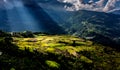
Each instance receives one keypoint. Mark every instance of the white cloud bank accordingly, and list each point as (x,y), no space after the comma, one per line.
(92,5)
(100,5)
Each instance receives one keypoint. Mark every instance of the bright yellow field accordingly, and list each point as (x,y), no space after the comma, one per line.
(47,43)
(68,46)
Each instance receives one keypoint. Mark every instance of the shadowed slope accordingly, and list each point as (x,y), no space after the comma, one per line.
(28,16)
(46,22)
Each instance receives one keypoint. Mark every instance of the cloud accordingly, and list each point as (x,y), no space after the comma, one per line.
(73,5)
(110,5)
(100,5)
(10,4)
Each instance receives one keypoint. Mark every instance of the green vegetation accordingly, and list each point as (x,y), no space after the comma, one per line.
(52,64)
(55,52)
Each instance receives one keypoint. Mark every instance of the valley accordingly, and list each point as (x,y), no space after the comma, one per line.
(59,35)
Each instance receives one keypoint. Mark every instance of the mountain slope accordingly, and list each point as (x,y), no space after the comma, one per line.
(50,17)
(92,24)
(47,23)
(28,16)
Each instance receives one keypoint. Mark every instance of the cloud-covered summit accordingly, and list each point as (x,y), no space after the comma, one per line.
(93,5)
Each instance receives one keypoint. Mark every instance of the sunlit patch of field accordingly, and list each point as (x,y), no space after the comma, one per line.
(62,44)
(68,46)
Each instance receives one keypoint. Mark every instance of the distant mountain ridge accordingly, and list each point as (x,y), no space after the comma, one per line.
(117,12)
(94,24)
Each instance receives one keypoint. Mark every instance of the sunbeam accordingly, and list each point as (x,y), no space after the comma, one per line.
(19,16)
(28,15)
(3,19)
(28,20)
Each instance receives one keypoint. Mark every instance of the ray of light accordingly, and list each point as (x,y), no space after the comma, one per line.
(29,21)
(20,19)
(13,17)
